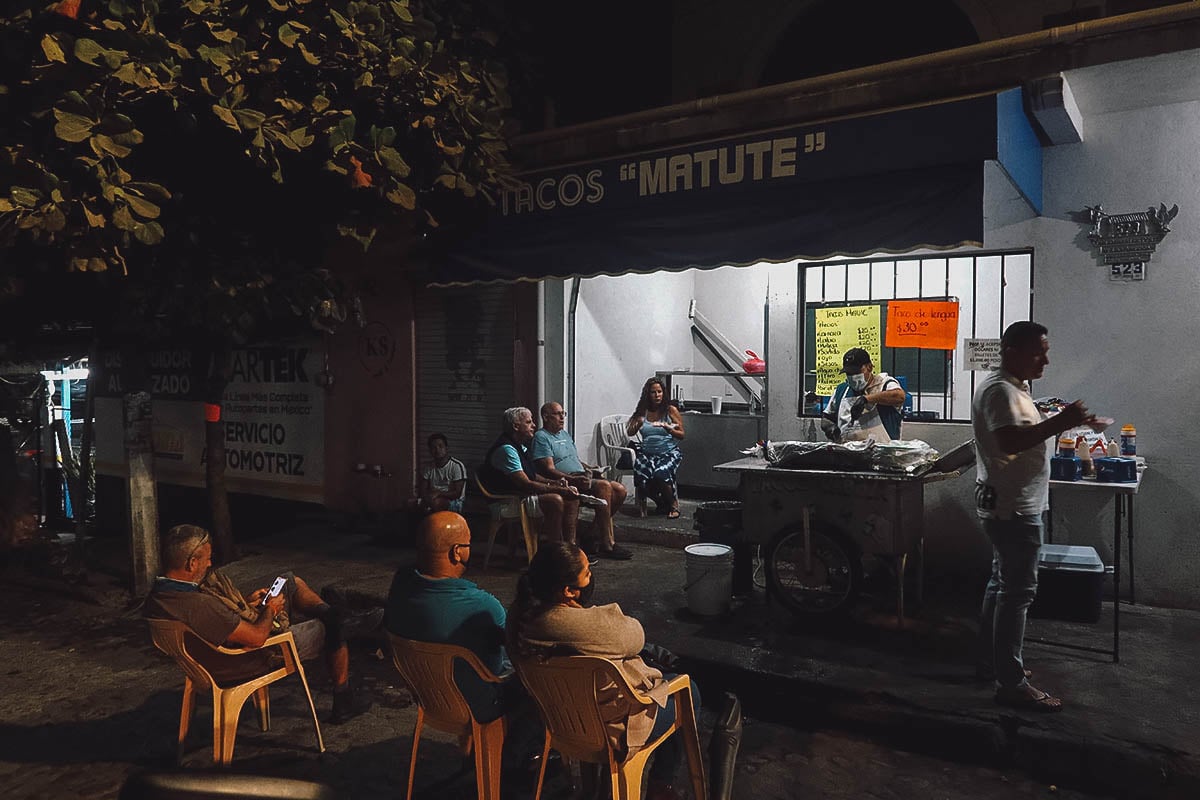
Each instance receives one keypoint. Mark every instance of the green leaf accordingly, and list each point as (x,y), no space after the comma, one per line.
(6,205)
(72,127)
(142,207)
(150,233)
(87,51)
(309,57)
(25,198)
(222,34)
(394,162)
(401,11)
(341,22)
(197,7)
(287,35)
(53,50)
(301,137)
(226,116)
(93,220)
(53,220)
(154,191)
(290,105)
(105,145)
(249,118)
(320,103)
(124,220)
(403,196)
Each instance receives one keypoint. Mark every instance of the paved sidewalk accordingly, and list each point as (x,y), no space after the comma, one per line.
(82,683)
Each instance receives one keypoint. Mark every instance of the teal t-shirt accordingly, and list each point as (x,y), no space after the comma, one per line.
(559,446)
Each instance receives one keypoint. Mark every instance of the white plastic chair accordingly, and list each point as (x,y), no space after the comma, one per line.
(614,442)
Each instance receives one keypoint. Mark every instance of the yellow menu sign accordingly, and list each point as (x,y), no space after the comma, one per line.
(839,329)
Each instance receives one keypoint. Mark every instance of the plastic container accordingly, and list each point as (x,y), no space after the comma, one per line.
(1066,468)
(1085,458)
(1116,470)
(709,584)
(1114,449)
(1066,447)
(1128,441)
(1070,583)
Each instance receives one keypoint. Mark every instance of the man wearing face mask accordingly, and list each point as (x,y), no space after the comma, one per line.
(866,406)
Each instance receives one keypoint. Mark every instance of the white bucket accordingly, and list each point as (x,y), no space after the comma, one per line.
(709,578)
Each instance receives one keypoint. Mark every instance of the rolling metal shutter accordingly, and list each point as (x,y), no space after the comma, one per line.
(464,368)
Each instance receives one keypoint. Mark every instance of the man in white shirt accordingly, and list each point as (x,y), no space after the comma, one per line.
(444,483)
(1011,495)
(866,406)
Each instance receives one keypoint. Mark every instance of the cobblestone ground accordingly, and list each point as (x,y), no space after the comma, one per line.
(87,701)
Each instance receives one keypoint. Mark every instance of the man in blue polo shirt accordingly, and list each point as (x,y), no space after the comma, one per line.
(435,603)
(556,458)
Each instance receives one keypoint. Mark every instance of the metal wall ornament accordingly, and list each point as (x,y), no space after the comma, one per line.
(1126,242)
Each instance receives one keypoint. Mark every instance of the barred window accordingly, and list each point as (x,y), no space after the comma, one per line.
(993,289)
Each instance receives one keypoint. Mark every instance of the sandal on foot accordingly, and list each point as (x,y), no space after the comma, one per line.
(1029,699)
(673,513)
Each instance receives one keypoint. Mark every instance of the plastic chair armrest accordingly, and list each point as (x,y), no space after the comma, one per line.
(273,640)
(679,683)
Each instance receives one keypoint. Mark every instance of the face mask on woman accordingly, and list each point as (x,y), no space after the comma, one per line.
(586,592)
(857,382)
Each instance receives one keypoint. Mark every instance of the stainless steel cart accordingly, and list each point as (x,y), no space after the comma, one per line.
(816,525)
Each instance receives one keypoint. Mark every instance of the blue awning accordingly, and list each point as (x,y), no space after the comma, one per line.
(889,182)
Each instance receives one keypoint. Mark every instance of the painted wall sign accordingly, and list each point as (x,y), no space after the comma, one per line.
(924,324)
(981,354)
(274,415)
(376,348)
(838,330)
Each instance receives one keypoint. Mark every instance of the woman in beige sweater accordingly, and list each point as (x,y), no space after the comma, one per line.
(553,615)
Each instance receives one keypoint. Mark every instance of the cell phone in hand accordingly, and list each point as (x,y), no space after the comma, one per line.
(275,589)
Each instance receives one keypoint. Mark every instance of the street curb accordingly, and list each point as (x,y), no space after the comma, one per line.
(1088,763)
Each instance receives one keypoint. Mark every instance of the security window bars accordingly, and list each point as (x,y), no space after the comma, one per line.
(992,289)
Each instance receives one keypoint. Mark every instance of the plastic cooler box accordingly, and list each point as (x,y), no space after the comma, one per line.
(1121,469)
(1070,583)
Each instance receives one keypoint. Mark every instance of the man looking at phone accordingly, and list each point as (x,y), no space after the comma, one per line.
(208,602)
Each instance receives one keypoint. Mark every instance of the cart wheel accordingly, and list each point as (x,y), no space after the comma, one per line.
(832,580)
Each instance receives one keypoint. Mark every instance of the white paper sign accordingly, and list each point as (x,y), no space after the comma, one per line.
(981,354)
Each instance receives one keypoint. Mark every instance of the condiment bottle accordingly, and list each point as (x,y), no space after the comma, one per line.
(1114,449)
(1128,441)
(1085,457)
(1066,447)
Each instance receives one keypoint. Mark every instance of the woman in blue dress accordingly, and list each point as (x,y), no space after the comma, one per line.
(661,426)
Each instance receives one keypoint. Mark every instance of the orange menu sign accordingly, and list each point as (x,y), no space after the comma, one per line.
(924,324)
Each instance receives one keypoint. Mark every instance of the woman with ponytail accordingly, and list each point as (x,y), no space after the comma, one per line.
(553,616)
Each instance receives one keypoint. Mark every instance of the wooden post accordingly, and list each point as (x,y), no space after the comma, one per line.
(143,494)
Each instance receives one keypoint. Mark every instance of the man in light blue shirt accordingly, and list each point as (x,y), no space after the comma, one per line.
(556,458)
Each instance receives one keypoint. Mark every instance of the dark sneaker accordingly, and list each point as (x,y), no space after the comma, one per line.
(617,553)
(348,704)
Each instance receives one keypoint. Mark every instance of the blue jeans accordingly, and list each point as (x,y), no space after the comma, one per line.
(1010,592)
(669,754)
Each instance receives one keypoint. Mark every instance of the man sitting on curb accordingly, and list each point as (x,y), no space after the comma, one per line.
(556,458)
(509,469)
(205,600)
(435,603)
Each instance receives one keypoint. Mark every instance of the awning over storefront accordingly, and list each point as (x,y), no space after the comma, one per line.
(880,183)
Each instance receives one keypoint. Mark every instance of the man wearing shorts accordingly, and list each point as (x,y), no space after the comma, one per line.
(509,469)
(205,600)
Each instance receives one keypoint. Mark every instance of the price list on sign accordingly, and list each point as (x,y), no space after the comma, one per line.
(839,329)
(923,324)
